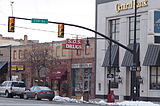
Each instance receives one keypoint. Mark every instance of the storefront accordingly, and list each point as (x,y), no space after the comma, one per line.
(58,81)
(81,78)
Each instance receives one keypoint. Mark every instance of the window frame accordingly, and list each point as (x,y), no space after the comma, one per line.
(131,30)
(155,85)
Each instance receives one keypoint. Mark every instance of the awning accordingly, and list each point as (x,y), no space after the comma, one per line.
(114,56)
(152,57)
(128,57)
(57,74)
(3,66)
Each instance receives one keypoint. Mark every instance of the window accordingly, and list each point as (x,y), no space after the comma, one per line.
(14,54)
(78,52)
(114,82)
(114,29)
(155,78)
(58,51)
(64,52)
(131,29)
(25,53)
(20,54)
(99,86)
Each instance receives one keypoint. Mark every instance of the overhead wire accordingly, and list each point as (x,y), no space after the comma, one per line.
(43,30)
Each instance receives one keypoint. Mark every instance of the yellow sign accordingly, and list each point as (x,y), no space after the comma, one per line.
(127,6)
(17,67)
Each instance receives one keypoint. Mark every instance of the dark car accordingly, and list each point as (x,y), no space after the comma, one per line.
(39,92)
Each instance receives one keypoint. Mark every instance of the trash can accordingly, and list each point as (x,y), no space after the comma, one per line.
(86,96)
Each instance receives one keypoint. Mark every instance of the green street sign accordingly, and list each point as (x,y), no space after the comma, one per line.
(43,21)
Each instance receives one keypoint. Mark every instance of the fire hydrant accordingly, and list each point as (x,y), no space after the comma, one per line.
(111,96)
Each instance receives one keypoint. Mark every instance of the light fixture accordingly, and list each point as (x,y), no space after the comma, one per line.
(118,70)
(140,79)
(119,79)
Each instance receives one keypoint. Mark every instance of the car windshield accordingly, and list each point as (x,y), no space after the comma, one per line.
(44,88)
(18,84)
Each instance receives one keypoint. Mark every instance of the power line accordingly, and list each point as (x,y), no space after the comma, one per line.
(42,30)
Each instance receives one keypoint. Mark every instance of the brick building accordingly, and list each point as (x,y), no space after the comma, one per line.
(72,74)
(6,44)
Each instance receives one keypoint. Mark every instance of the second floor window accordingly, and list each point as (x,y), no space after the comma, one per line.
(20,54)
(58,51)
(114,29)
(131,29)
(14,54)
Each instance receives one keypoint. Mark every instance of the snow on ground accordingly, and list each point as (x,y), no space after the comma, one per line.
(102,102)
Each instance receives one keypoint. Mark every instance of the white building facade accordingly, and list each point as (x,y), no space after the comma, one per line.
(115,19)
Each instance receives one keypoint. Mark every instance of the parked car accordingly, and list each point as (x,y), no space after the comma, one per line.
(39,92)
(12,88)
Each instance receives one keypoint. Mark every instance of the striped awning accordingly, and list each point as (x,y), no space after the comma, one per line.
(114,56)
(152,57)
(128,57)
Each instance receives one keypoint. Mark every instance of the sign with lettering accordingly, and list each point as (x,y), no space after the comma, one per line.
(156,21)
(72,44)
(82,65)
(131,5)
(17,67)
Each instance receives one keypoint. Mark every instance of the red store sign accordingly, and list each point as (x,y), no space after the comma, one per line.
(72,44)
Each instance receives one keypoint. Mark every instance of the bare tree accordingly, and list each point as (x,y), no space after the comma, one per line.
(40,57)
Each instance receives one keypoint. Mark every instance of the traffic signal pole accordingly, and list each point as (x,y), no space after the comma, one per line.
(102,35)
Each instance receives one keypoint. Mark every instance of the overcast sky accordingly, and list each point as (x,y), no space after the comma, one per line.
(79,12)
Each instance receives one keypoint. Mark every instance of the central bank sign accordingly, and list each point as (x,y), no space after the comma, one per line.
(131,5)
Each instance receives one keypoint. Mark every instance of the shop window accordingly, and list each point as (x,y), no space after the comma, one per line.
(131,30)
(155,78)
(81,80)
(114,82)
(14,54)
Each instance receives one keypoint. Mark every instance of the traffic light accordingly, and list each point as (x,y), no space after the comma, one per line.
(61,30)
(11,24)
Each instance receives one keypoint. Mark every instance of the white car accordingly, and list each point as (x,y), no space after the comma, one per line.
(12,88)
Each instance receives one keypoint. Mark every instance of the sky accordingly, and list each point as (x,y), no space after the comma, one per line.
(78,12)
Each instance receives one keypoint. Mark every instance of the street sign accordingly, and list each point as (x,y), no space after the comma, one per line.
(43,21)
(110,76)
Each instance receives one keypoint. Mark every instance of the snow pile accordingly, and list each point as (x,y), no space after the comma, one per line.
(126,103)
(66,99)
(102,102)
(137,103)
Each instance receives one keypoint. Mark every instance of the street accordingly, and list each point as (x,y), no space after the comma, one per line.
(31,102)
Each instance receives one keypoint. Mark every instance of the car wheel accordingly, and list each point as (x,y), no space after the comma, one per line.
(25,96)
(8,95)
(36,97)
(21,96)
(50,99)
